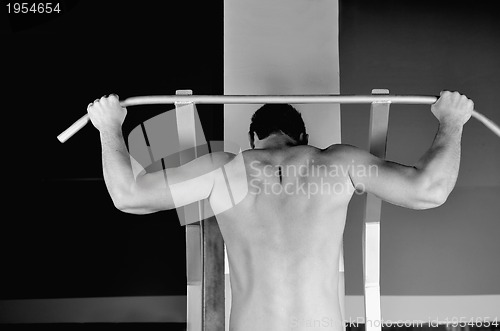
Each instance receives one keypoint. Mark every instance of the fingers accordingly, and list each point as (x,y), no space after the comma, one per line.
(454,95)
(470,103)
(446,93)
(106,113)
(112,98)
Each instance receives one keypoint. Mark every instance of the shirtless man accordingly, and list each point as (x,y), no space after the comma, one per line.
(283,237)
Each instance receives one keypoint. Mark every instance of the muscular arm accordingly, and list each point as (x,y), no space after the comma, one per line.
(423,185)
(116,165)
(439,165)
(149,192)
(427,183)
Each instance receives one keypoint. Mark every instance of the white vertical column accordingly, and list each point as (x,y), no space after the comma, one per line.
(379,123)
(281,47)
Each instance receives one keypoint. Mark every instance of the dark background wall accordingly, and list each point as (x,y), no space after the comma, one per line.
(60,234)
(423,47)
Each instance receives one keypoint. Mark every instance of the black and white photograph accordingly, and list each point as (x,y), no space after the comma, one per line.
(250,165)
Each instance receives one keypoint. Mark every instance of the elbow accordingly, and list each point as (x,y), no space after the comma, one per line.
(435,199)
(131,209)
(441,196)
(122,206)
(432,196)
(127,204)
(121,202)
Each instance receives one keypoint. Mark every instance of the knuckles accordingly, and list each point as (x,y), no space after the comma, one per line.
(100,104)
(454,96)
(112,98)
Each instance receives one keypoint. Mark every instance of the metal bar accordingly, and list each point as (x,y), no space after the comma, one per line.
(293,99)
(379,124)
(204,243)
(194,263)
(258,99)
(261,99)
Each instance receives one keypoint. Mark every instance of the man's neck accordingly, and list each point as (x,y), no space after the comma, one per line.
(277,141)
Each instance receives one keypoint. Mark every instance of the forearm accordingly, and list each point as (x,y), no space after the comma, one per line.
(117,169)
(439,166)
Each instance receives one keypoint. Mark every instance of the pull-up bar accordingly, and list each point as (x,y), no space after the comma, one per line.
(263,99)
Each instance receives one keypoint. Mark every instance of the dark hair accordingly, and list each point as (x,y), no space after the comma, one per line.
(273,118)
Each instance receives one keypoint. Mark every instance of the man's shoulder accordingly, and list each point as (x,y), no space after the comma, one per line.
(221,158)
(341,153)
(340,149)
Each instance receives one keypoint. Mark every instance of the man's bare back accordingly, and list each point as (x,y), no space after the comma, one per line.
(283,239)
(283,234)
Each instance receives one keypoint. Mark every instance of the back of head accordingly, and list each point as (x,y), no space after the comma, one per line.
(277,118)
